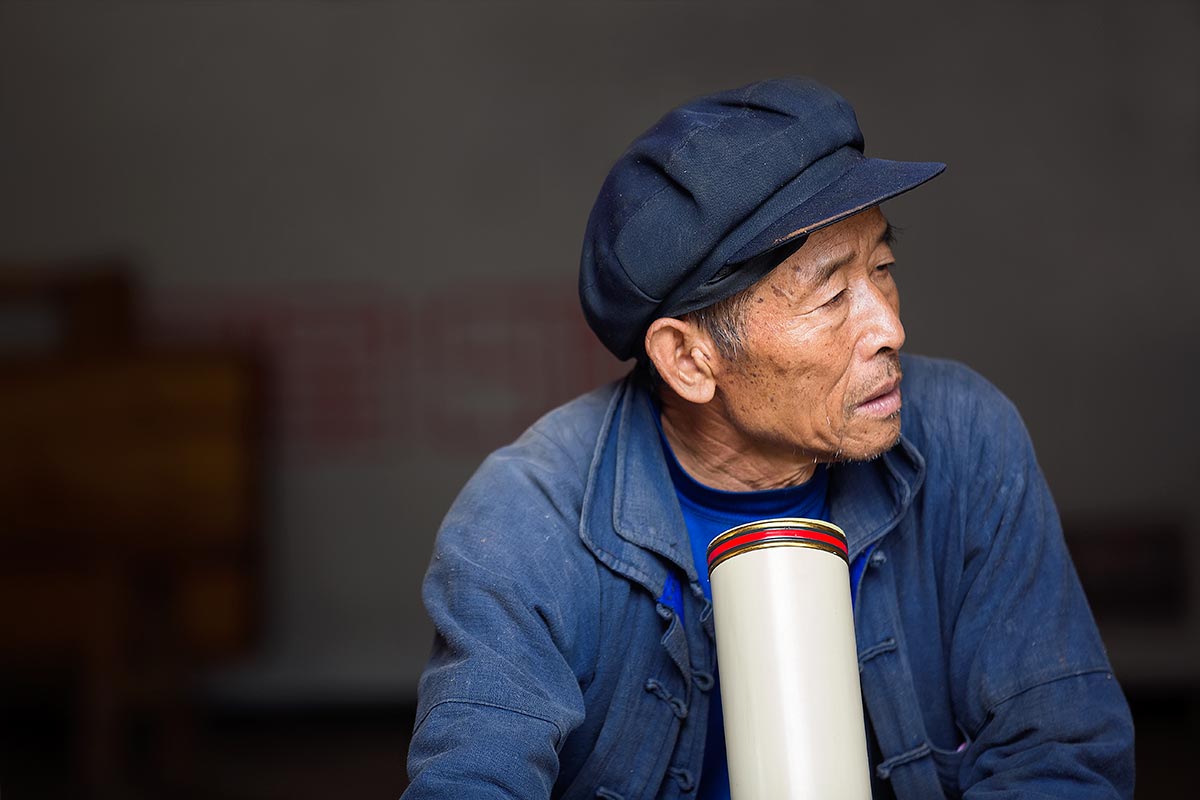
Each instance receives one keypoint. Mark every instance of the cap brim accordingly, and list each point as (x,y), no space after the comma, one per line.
(867,183)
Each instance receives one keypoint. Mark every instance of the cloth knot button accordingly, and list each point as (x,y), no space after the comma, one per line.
(683,777)
(678,707)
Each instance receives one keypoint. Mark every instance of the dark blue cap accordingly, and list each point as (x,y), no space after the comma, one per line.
(702,205)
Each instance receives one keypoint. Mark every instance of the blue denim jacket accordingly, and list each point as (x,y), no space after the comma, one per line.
(556,672)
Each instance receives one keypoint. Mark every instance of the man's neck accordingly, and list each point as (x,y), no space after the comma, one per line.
(716,454)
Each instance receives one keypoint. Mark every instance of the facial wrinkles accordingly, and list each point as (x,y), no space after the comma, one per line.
(830,346)
(777,376)
(811,274)
(885,363)
(790,398)
(818,334)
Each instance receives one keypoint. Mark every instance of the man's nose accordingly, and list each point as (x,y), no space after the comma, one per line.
(883,330)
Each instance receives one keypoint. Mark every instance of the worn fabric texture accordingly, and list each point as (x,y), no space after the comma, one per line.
(556,673)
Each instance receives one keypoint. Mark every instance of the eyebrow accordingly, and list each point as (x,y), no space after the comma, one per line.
(825,271)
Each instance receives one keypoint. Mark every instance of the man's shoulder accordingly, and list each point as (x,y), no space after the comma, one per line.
(566,435)
(541,477)
(947,384)
(928,377)
(945,398)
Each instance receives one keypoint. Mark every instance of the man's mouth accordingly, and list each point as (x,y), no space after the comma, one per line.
(884,401)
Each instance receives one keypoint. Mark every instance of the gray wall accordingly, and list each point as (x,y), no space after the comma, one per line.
(381,159)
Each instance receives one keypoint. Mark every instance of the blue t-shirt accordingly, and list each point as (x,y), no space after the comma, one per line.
(708,512)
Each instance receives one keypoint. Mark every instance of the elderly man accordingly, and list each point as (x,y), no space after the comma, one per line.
(738,252)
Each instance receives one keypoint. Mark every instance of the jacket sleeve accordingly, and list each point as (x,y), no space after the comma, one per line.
(1041,710)
(500,693)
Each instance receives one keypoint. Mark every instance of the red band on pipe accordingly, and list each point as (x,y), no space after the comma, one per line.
(778,533)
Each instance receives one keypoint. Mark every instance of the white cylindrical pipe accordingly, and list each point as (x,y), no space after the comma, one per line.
(788,662)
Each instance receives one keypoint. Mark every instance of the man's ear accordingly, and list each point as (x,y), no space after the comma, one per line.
(683,356)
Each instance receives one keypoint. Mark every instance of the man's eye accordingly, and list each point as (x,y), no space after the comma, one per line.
(885,267)
(833,301)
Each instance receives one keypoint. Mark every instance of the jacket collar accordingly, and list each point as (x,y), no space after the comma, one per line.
(867,499)
(631,519)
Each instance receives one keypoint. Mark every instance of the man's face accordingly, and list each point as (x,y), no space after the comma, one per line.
(818,376)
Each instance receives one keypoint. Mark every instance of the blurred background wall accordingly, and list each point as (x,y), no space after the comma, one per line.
(381,204)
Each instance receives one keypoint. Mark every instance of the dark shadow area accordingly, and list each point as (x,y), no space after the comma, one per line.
(129,527)
(1167,726)
(233,754)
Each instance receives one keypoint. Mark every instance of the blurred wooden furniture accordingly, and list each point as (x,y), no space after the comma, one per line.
(129,483)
